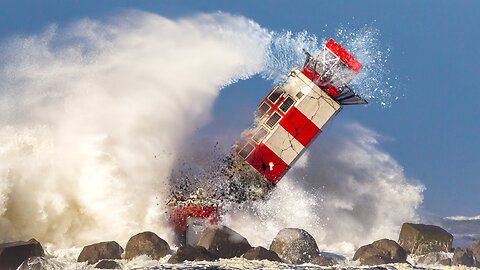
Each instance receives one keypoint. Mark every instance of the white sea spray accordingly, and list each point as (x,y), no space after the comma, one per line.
(92,116)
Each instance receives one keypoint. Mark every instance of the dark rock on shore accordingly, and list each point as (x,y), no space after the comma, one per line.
(192,253)
(146,243)
(381,252)
(421,239)
(434,258)
(261,253)
(40,263)
(223,242)
(108,264)
(463,257)
(13,254)
(295,246)
(99,251)
(475,249)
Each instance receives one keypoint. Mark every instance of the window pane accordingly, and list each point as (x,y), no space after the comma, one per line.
(261,133)
(272,121)
(287,103)
(246,151)
(299,95)
(264,107)
(277,93)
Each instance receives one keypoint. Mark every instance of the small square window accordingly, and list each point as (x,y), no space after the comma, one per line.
(287,103)
(261,133)
(245,152)
(263,109)
(273,120)
(276,94)
(299,95)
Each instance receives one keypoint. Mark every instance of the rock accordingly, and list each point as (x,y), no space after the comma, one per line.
(295,246)
(108,264)
(99,251)
(475,249)
(463,257)
(435,258)
(146,243)
(323,261)
(223,242)
(261,253)
(381,252)
(192,253)
(446,262)
(421,239)
(374,260)
(14,253)
(40,263)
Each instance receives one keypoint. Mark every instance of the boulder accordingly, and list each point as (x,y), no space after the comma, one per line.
(99,251)
(223,242)
(13,254)
(108,264)
(445,262)
(420,239)
(146,243)
(295,246)
(323,261)
(40,263)
(374,260)
(381,252)
(463,257)
(192,253)
(261,253)
(475,249)
(435,258)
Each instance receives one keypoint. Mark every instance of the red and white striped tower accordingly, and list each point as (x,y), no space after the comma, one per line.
(293,114)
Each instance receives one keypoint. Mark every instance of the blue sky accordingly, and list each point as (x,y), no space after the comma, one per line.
(432,130)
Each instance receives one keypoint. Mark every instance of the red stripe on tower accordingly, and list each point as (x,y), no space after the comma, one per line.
(179,215)
(344,55)
(266,162)
(299,126)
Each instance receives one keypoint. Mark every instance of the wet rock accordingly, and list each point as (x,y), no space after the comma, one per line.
(323,261)
(435,258)
(475,249)
(108,264)
(421,239)
(99,251)
(40,263)
(192,253)
(261,253)
(223,242)
(374,260)
(381,252)
(146,243)
(446,262)
(13,254)
(463,257)
(295,246)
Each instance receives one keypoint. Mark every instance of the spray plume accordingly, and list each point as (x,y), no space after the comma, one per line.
(92,116)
